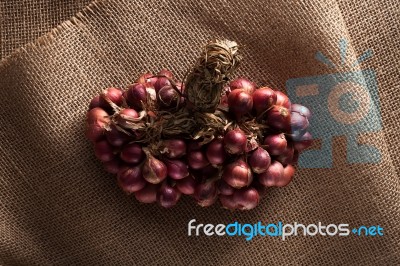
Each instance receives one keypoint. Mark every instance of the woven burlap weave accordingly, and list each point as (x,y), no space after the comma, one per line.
(23,21)
(58,206)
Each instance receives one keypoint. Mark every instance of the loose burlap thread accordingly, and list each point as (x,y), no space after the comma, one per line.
(58,206)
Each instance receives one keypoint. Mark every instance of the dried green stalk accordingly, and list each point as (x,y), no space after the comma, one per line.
(214,67)
(212,125)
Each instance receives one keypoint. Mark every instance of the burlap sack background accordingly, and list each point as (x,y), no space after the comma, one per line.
(23,21)
(58,207)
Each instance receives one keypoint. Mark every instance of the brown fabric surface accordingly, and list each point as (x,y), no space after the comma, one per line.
(58,206)
(23,21)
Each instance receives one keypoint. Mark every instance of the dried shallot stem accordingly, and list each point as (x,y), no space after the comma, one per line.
(204,83)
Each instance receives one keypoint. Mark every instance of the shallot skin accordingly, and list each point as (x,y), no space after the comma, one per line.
(104,151)
(237,174)
(304,142)
(206,193)
(275,144)
(278,117)
(136,96)
(216,152)
(166,73)
(246,198)
(168,196)
(130,179)
(186,185)
(112,166)
(270,177)
(283,100)
(302,110)
(259,160)
(112,94)
(286,177)
(148,194)
(147,78)
(132,153)
(197,159)
(124,116)
(235,141)
(264,99)
(96,122)
(228,202)
(115,137)
(225,189)
(161,83)
(240,103)
(177,169)
(243,84)
(173,148)
(154,170)
(168,97)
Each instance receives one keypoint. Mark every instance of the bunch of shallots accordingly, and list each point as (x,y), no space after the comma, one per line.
(203,138)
